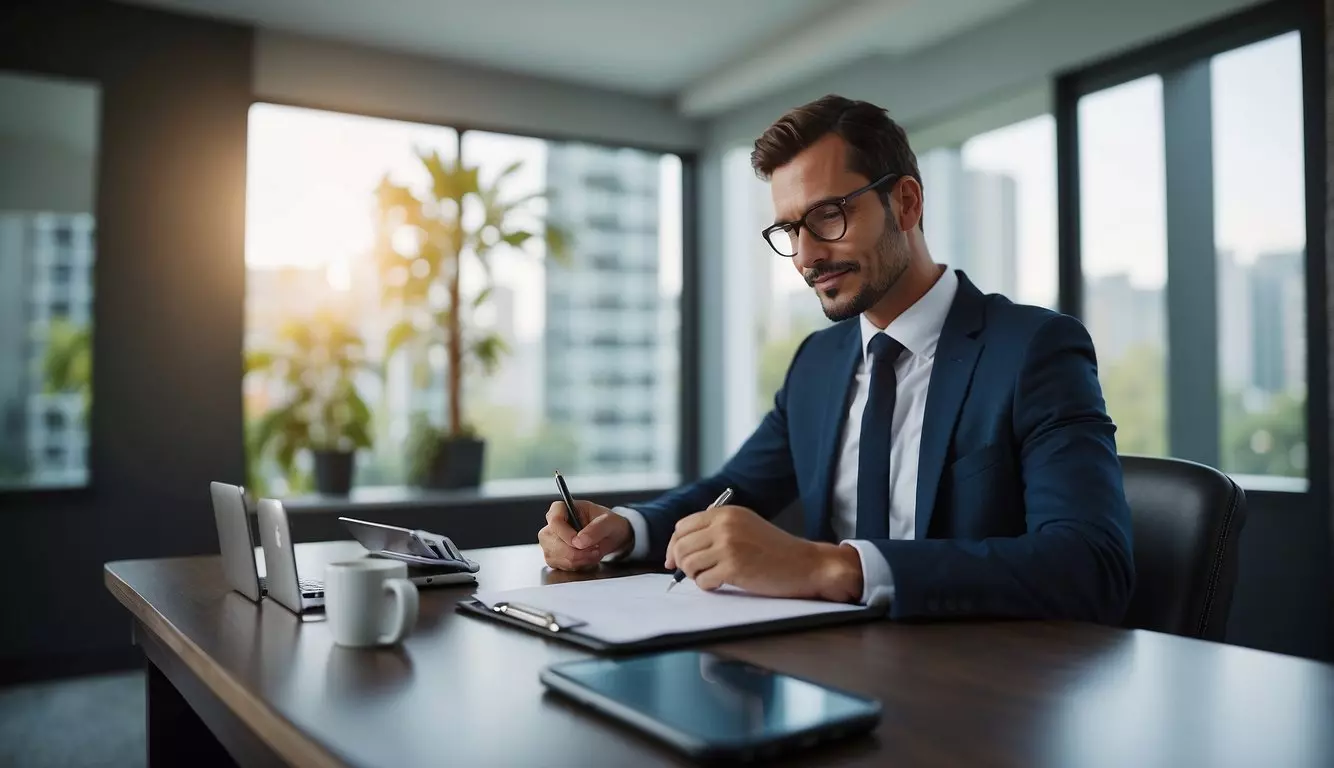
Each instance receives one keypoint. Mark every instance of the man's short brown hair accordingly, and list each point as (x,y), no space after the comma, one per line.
(876,144)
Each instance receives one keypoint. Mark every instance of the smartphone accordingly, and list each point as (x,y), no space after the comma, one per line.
(713,707)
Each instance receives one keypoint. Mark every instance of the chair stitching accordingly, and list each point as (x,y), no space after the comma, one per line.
(1216,566)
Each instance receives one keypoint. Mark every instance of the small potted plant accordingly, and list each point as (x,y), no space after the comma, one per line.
(423,241)
(314,363)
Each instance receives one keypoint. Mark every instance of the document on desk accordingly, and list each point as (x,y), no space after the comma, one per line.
(635,608)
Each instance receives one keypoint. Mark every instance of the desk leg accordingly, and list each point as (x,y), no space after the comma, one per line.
(176,735)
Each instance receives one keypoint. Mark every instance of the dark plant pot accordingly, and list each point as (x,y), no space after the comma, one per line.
(457,464)
(333,472)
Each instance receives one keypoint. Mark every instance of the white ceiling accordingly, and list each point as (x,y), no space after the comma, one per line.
(709,55)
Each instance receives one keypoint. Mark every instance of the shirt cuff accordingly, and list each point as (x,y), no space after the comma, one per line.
(877,578)
(640,526)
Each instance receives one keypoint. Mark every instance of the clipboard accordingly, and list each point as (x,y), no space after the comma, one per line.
(567,627)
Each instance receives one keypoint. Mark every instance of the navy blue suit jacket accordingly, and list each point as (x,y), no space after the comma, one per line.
(1020,504)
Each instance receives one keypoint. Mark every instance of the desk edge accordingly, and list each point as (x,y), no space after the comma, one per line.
(290,742)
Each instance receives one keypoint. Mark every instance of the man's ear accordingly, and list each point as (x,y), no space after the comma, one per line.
(909,195)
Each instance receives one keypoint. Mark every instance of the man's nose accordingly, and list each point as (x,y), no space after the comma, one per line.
(810,250)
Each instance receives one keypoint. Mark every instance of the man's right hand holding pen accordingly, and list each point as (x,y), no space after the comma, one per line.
(604,533)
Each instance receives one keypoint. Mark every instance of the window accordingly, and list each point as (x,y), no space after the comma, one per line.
(609,305)
(1261,243)
(1124,248)
(1192,247)
(48,160)
(990,209)
(771,297)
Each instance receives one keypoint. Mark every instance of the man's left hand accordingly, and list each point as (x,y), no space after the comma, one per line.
(733,545)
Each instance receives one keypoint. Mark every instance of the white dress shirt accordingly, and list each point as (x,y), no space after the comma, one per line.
(918,330)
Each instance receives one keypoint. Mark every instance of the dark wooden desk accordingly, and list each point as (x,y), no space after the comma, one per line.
(461,691)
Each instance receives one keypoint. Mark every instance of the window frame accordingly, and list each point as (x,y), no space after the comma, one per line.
(1178,60)
(688,447)
(79,72)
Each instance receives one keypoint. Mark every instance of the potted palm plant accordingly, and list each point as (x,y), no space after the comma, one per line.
(424,239)
(315,362)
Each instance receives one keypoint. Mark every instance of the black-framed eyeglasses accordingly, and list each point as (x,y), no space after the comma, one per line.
(827,221)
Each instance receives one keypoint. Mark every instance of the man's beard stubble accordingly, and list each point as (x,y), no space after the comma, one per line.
(891,260)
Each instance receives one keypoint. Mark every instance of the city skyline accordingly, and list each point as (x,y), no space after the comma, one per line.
(606,331)
(1261,332)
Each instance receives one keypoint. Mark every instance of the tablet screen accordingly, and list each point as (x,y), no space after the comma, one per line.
(713,698)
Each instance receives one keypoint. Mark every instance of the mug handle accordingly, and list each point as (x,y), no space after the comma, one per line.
(405,603)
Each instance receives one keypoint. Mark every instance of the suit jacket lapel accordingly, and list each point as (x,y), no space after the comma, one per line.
(838,388)
(951,373)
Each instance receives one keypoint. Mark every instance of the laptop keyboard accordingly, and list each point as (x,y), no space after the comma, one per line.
(309,587)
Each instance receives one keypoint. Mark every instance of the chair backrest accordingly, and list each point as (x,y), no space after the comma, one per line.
(1187,519)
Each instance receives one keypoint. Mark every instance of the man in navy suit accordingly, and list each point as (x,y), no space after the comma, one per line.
(951,450)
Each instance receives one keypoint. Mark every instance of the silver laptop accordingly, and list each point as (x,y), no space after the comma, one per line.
(285,586)
(236,543)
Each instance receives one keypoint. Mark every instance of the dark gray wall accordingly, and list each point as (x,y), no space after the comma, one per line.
(169,290)
(1325,176)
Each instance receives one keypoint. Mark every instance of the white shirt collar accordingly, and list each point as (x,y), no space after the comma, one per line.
(918,328)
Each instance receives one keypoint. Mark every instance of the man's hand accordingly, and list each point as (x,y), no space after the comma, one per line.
(733,545)
(604,533)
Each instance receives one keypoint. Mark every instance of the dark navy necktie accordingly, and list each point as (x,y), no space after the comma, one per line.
(873,490)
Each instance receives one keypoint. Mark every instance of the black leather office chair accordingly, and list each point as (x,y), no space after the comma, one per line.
(1187,519)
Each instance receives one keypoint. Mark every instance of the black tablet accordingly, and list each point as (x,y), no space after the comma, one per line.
(714,707)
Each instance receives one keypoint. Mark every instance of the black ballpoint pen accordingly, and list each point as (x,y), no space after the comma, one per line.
(718,502)
(570,516)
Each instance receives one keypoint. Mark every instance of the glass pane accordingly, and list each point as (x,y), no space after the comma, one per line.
(1260,235)
(566,363)
(776,302)
(991,209)
(311,177)
(592,384)
(1124,247)
(48,162)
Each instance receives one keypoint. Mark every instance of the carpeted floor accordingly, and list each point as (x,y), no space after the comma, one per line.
(87,721)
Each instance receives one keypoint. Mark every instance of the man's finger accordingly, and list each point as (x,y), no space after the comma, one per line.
(712,578)
(600,528)
(560,556)
(693,522)
(551,544)
(683,546)
(557,523)
(700,561)
(556,511)
(583,560)
(684,527)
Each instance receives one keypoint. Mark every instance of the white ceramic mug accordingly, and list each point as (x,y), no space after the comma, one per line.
(369,602)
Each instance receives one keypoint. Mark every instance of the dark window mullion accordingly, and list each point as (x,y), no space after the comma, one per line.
(1193,410)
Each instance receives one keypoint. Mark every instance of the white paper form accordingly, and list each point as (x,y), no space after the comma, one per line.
(635,608)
